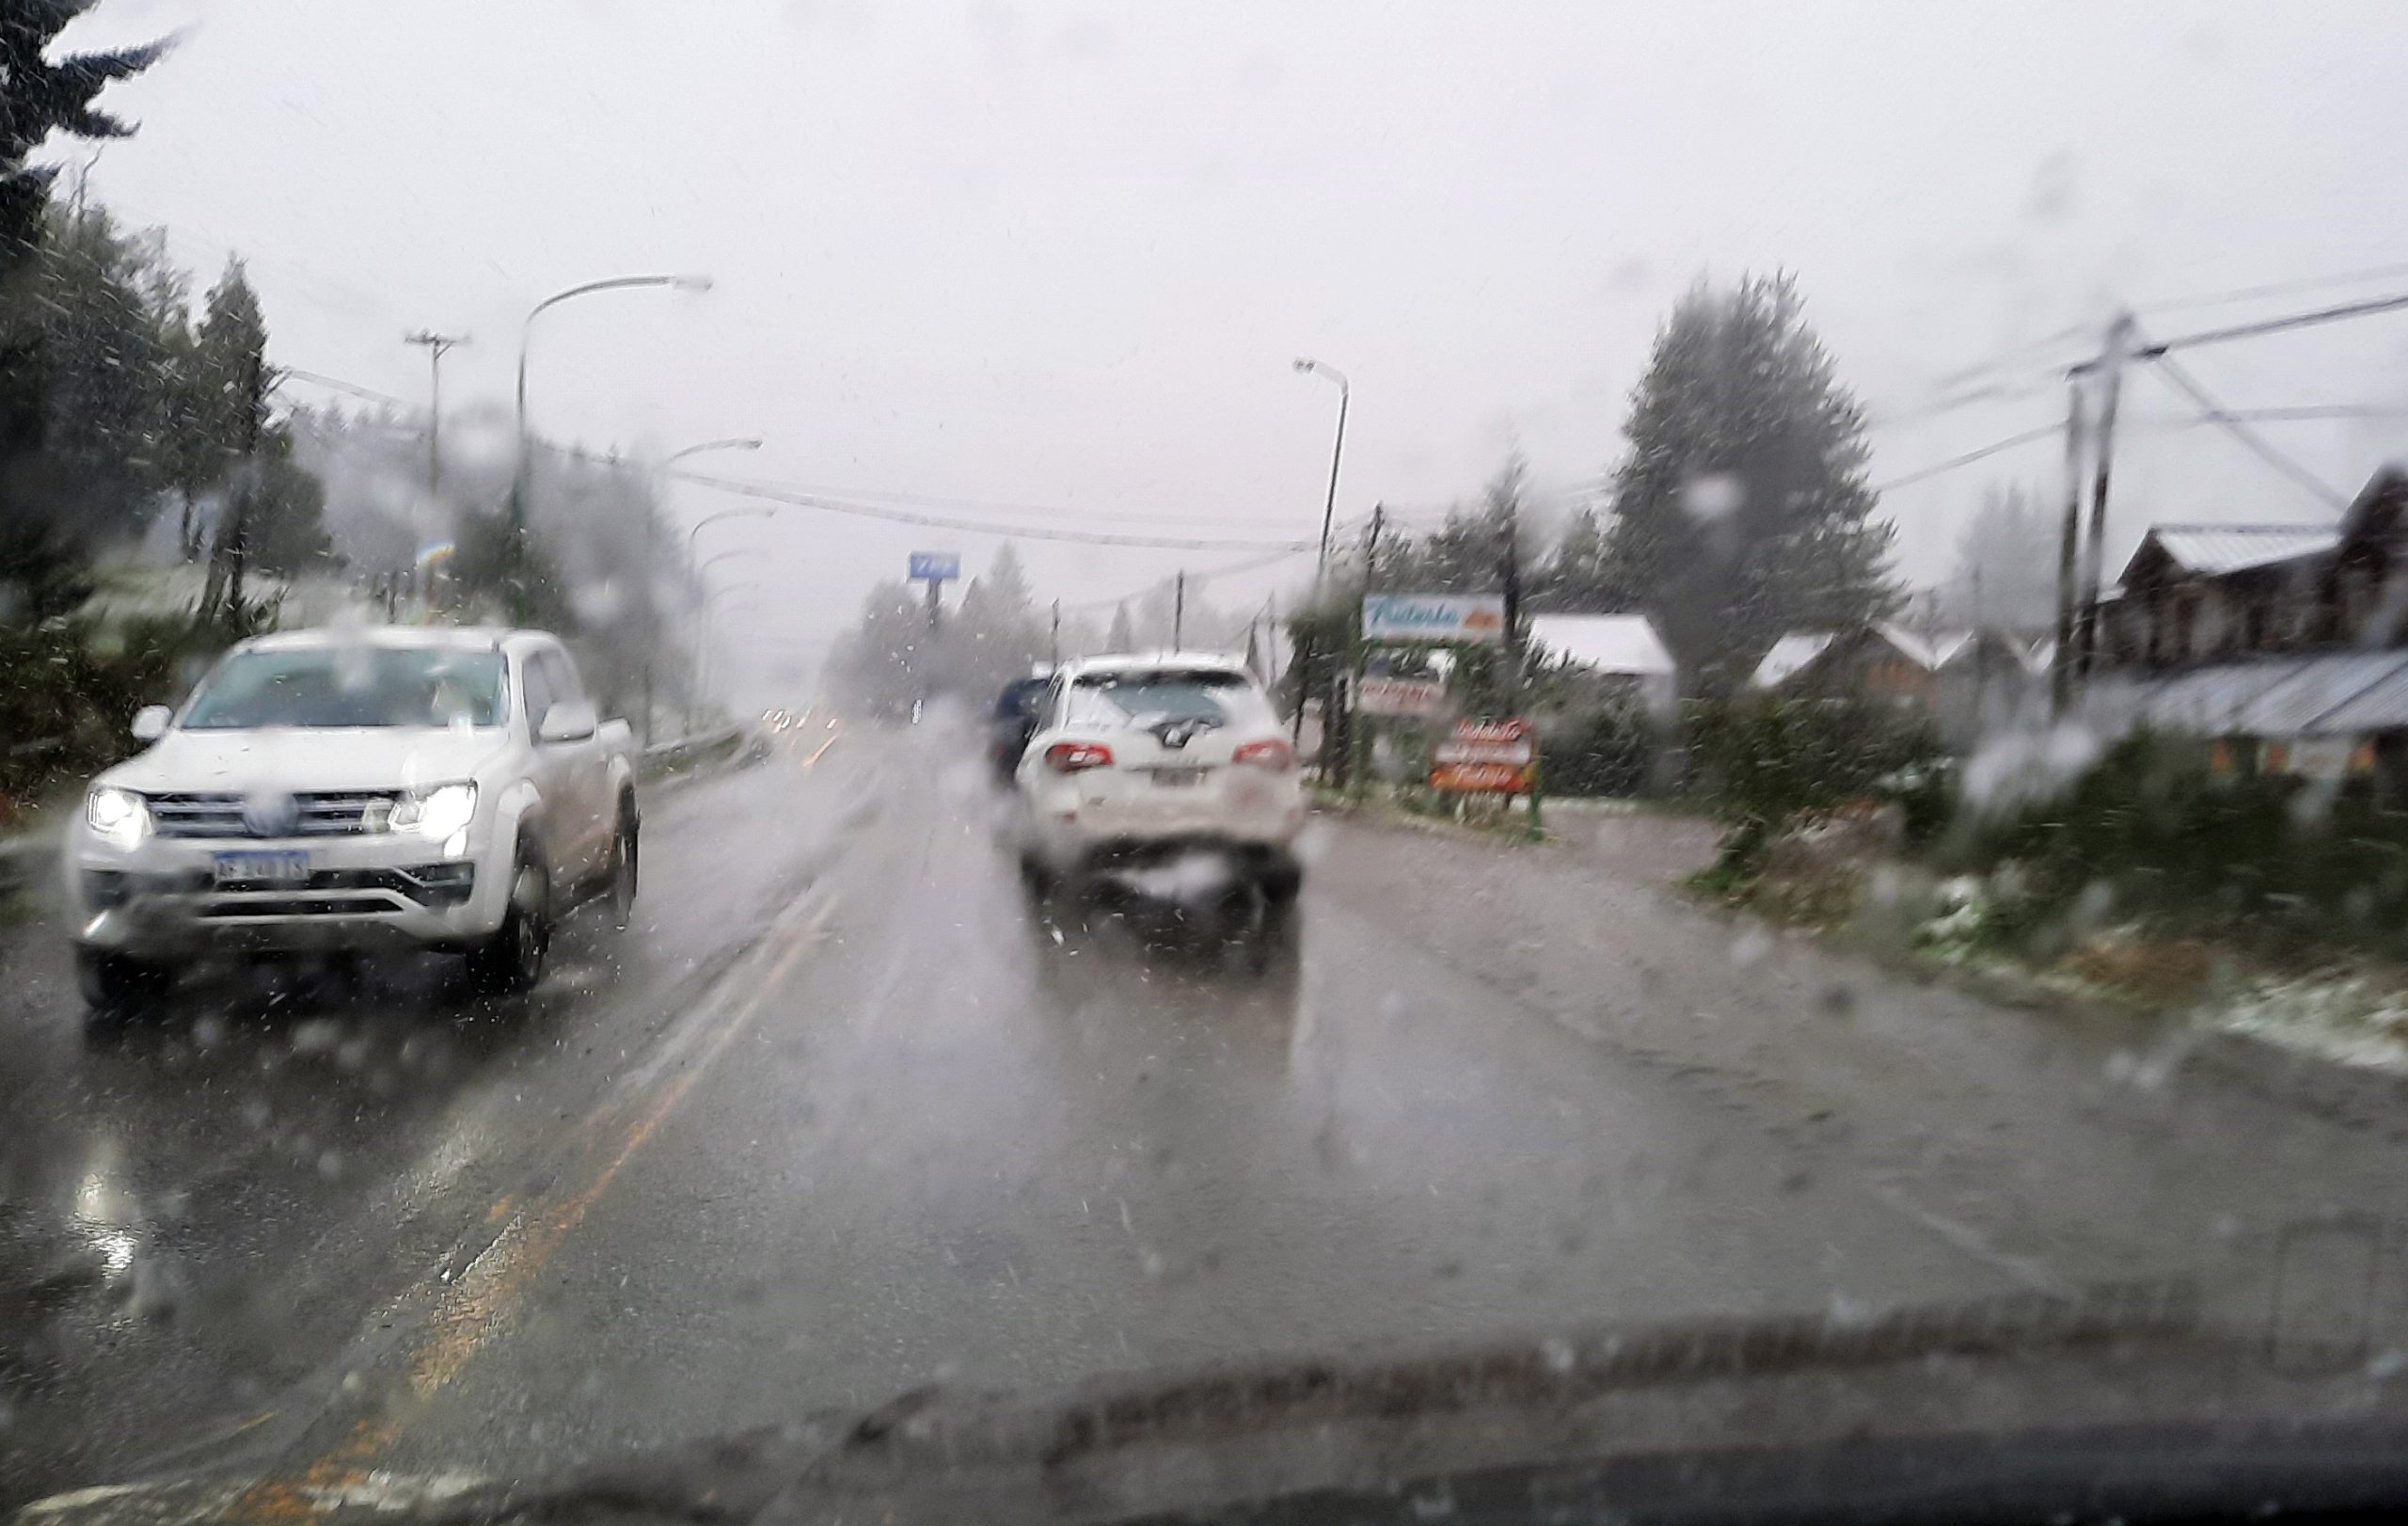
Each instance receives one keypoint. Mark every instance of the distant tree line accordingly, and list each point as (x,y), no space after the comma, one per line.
(121,403)
(1738,512)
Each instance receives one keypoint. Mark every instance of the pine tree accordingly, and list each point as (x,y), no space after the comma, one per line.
(1122,637)
(231,383)
(1741,511)
(1574,579)
(43,532)
(107,373)
(39,96)
(994,636)
(44,523)
(2007,565)
(1005,584)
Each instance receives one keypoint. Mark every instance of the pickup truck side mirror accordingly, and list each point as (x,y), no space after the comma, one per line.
(569,720)
(150,723)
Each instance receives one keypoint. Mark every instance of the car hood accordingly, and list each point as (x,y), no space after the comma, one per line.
(293,758)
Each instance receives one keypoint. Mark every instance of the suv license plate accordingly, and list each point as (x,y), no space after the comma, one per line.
(281,867)
(1177,778)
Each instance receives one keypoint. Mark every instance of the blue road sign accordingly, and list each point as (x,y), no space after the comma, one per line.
(936,566)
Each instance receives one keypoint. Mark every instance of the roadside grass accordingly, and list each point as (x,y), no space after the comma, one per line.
(2348,1007)
(1429,811)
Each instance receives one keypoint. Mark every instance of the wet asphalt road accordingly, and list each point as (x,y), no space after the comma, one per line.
(841,1117)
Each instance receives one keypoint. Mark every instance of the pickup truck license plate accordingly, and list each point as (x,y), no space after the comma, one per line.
(283,866)
(1177,778)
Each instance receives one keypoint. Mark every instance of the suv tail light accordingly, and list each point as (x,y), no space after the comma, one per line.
(1270,754)
(1074,756)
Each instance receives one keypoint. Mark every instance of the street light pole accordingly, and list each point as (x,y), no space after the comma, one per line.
(518,476)
(1304,653)
(736,442)
(754,511)
(1337,454)
(709,609)
(695,690)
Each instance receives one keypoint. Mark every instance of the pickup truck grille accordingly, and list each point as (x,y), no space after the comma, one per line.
(341,812)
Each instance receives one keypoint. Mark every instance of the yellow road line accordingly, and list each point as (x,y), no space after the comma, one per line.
(475,1306)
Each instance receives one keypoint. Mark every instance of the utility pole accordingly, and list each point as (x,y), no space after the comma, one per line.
(1056,639)
(1179,610)
(1358,725)
(1512,570)
(436,345)
(2119,341)
(1981,651)
(2068,554)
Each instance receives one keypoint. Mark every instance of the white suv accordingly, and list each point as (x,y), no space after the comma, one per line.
(389,788)
(1136,759)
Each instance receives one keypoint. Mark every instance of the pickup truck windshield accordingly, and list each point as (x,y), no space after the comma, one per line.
(353,685)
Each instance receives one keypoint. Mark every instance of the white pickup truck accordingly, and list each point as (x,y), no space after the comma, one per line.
(393,789)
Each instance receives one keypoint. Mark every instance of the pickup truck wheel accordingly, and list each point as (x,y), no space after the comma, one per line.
(623,849)
(511,961)
(117,986)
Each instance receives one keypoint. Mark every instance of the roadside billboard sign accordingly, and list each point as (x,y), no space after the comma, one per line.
(1446,618)
(1381,695)
(935,566)
(1485,757)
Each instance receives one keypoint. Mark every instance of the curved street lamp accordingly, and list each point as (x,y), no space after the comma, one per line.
(1336,451)
(526,335)
(1306,364)
(707,640)
(705,605)
(750,511)
(733,442)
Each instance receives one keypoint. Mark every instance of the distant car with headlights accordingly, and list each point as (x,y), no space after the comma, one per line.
(1137,760)
(393,789)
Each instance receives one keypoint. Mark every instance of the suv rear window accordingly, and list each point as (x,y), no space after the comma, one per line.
(1147,697)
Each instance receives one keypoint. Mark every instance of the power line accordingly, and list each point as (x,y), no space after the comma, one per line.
(338,385)
(2222,415)
(1250,564)
(2250,294)
(939,500)
(2006,390)
(2268,326)
(2044,432)
(830,497)
(779,494)
(2302,413)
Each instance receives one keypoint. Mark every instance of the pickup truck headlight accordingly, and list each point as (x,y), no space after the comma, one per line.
(119,818)
(435,812)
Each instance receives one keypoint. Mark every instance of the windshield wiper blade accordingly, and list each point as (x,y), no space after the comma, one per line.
(1569,1369)
(721,1482)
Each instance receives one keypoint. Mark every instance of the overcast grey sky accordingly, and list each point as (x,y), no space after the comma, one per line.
(1063,254)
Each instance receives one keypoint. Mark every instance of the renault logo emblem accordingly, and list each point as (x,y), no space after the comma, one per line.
(271,815)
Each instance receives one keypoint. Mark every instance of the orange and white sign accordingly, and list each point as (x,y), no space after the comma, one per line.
(1485,757)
